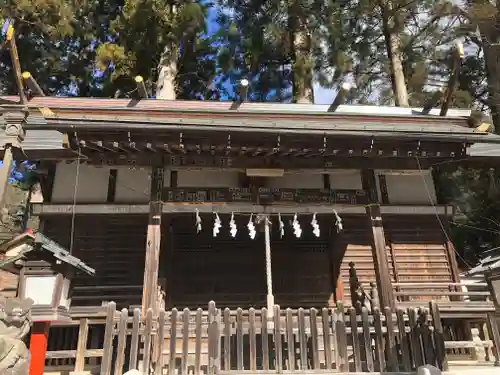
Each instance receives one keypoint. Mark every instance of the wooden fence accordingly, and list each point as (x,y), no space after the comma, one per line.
(221,341)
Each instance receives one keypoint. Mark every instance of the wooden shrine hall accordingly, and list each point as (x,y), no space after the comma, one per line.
(180,203)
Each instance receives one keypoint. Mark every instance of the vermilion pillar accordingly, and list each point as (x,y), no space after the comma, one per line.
(38,347)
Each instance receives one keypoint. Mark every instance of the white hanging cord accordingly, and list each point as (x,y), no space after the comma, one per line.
(338,222)
(281,226)
(75,194)
(297,230)
(315,226)
(217,225)
(251,227)
(198,221)
(232,225)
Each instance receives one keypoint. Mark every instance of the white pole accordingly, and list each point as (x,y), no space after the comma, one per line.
(269,276)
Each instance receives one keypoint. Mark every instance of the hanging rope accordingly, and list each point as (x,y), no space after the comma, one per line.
(75,193)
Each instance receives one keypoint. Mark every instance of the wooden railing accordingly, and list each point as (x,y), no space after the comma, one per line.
(455,300)
(217,341)
(77,345)
(419,291)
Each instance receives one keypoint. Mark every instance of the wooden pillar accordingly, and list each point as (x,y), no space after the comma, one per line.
(153,240)
(379,253)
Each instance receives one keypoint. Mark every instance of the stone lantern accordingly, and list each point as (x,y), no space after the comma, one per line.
(45,270)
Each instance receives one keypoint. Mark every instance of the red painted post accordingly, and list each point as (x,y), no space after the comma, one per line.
(38,347)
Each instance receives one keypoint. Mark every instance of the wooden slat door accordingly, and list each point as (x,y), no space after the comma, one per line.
(114,246)
(302,276)
(230,271)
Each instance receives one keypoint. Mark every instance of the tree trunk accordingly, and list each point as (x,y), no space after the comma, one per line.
(300,44)
(393,45)
(302,70)
(490,36)
(167,72)
(167,68)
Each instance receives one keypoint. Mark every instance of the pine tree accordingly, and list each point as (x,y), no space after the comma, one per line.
(405,44)
(480,24)
(275,45)
(254,48)
(56,42)
(163,42)
(39,25)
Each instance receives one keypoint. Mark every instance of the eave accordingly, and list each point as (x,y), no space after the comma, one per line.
(340,127)
(104,130)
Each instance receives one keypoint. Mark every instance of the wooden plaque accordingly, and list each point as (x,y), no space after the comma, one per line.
(264,195)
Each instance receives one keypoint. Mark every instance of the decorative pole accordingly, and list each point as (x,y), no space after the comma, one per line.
(269,275)
(15,119)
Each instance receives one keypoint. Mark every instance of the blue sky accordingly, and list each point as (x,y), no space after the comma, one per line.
(321,95)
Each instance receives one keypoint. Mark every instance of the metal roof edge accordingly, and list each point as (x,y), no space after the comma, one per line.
(76,103)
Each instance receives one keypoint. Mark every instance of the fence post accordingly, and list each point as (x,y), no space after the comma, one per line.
(495,336)
(438,336)
(213,338)
(146,358)
(134,342)
(82,345)
(160,341)
(173,341)
(108,339)
(122,337)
